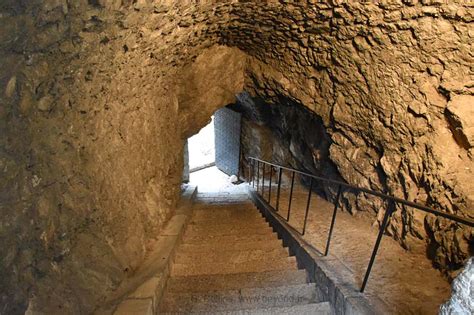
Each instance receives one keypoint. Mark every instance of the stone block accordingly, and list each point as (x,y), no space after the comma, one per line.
(147,289)
(135,307)
(151,289)
(175,225)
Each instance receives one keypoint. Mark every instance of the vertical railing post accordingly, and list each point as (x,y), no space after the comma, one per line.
(388,213)
(270,186)
(249,178)
(258,174)
(291,196)
(253,173)
(307,205)
(333,220)
(263,181)
(278,189)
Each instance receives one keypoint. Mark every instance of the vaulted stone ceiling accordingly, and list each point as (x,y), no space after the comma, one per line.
(97,97)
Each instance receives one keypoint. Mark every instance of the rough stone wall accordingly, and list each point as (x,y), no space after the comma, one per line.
(383,77)
(91,145)
(97,96)
(81,153)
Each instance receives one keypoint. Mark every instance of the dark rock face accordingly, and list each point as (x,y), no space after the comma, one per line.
(297,136)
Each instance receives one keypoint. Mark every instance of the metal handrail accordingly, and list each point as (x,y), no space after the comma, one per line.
(392,201)
(453,217)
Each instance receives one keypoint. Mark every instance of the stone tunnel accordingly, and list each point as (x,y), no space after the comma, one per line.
(98,97)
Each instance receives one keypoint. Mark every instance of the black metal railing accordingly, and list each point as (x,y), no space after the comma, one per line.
(254,169)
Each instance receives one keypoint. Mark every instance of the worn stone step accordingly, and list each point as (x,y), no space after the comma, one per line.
(222,226)
(308,309)
(246,205)
(206,283)
(230,256)
(225,208)
(223,216)
(199,216)
(252,230)
(224,268)
(322,308)
(226,219)
(219,227)
(231,242)
(243,299)
(232,221)
(241,221)
(223,194)
(223,201)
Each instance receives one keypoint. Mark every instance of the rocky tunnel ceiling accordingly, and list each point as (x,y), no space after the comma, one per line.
(97,97)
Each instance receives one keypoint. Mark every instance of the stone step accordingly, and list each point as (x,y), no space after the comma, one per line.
(223,193)
(229,256)
(219,227)
(245,206)
(228,215)
(231,243)
(243,196)
(212,221)
(223,200)
(264,264)
(243,299)
(322,308)
(248,206)
(242,223)
(208,283)
(251,230)
(225,215)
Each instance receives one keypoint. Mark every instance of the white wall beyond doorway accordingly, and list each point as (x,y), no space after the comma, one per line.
(201,147)
(202,152)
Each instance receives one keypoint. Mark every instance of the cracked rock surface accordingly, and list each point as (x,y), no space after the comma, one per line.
(98,97)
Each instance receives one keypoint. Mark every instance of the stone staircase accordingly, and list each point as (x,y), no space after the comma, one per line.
(231,262)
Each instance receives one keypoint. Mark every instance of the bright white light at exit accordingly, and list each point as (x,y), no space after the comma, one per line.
(201,147)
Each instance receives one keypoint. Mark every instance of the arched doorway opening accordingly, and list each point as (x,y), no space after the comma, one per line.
(212,156)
